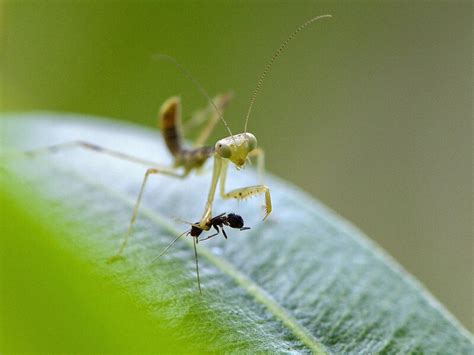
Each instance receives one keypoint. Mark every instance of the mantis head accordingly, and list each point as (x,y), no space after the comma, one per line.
(236,148)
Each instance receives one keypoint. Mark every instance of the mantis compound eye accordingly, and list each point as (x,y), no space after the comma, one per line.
(251,141)
(223,150)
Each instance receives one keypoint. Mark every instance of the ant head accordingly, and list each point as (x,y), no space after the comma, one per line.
(235,221)
(236,148)
(195,231)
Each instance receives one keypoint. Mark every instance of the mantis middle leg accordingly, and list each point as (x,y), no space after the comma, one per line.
(150,171)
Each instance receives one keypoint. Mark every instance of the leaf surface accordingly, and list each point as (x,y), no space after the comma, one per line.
(303,281)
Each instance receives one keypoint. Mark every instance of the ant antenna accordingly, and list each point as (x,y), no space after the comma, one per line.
(195,256)
(183,221)
(169,246)
(198,85)
(275,56)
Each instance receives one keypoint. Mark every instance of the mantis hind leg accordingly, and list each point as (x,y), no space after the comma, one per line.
(210,115)
(56,148)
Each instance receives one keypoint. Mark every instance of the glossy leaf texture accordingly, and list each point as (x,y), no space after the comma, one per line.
(303,281)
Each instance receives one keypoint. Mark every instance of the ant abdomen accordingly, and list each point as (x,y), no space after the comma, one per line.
(235,221)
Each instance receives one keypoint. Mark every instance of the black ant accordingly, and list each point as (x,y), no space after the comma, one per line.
(232,220)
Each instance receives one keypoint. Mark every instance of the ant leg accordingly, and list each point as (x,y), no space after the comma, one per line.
(260,154)
(149,172)
(223,232)
(84,145)
(244,192)
(209,237)
(210,115)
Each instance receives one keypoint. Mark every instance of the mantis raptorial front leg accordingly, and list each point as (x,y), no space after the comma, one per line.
(216,172)
(220,173)
(245,192)
(260,154)
(150,171)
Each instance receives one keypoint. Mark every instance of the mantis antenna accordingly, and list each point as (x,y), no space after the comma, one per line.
(198,85)
(275,56)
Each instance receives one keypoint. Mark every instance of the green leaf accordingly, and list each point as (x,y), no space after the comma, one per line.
(305,280)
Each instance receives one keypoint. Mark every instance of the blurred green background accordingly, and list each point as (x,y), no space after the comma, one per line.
(370,111)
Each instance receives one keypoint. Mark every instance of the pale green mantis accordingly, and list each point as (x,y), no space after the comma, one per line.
(236,148)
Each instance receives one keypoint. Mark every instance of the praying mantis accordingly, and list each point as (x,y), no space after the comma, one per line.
(235,149)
